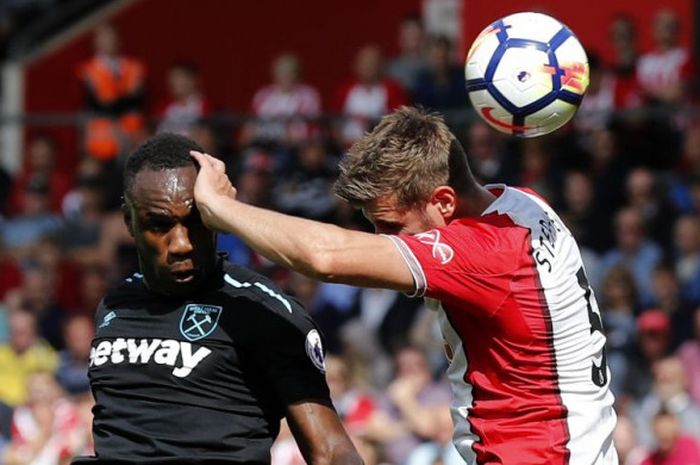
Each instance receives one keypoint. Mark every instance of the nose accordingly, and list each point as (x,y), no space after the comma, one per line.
(180,243)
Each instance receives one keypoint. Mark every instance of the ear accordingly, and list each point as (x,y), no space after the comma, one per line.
(126,212)
(444,199)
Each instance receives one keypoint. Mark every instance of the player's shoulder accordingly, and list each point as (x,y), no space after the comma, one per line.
(520,204)
(503,226)
(129,291)
(274,305)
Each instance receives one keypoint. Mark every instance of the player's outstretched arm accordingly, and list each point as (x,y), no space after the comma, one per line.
(323,251)
(320,435)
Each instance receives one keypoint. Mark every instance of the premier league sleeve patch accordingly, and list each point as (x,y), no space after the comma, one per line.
(314,349)
(199,321)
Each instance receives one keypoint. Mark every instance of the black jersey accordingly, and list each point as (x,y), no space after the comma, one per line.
(202,379)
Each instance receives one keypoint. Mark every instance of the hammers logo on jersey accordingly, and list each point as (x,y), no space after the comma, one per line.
(199,321)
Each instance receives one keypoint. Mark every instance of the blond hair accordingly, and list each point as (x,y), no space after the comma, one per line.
(408,154)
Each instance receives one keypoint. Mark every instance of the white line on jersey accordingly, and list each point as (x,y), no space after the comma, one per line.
(262,287)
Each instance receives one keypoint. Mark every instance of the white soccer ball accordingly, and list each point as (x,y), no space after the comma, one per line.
(526,74)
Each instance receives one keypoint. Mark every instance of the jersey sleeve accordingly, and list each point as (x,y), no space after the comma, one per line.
(292,356)
(461,262)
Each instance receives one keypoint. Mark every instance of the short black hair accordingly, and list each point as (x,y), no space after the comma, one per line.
(160,152)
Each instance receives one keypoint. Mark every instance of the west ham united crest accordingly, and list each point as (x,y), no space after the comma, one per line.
(199,321)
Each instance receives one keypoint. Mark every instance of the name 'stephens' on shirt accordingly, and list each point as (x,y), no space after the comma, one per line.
(178,354)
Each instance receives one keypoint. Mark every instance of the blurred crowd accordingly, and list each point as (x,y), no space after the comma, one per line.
(624,176)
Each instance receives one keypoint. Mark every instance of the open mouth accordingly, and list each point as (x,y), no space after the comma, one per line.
(183,276)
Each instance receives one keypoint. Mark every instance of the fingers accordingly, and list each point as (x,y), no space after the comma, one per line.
(206,160)
(201,158)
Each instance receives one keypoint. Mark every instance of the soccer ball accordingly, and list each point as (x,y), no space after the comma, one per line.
(526,74)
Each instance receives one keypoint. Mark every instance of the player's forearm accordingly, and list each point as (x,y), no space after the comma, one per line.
(304,245)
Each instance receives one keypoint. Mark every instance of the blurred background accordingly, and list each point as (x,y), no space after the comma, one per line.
(278,90)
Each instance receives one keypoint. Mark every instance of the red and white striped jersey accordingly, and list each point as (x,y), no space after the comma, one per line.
(524,333)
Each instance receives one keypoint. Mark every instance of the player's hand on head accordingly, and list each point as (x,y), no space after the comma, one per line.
(211,186)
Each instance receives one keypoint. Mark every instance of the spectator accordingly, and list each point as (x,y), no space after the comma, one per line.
(74,359)
(623,36)
(35,220)
(5,427)
(38,294)
(47,429)
(91,173)
(653,339)
(441,87)
(207,134)
(666,72)
(605,95)
(689,355)
(607,168)
(40,163)
(667,298)
(619,302)
(114,87)
(589,224)
(686,172)
(386,315)
(354,404)
(439,449)
(669,393)
(628,449)
(672,448)
(537,170)
(93,286)
(643,193)
(82,230)
(284,107)
(51,277)
(412,408)
(488,155)
(306,191)
(11,274)
(321,300)
(411,60)
(25,354)
(634,251)
(687,245)
(255,186)
(187,105)
(367,97)
(691,151)
(695,194)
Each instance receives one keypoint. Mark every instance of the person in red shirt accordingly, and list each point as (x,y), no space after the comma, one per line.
(187,104)
(41,162)
(607,93)
(665,73)
(364,99)
(520,322)
(286,108)
(672,448)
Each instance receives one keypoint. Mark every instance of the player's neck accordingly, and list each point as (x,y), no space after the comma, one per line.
(474,202)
